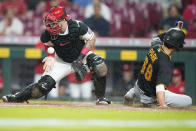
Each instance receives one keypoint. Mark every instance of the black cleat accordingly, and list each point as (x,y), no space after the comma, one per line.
(9,98)
(12,98)
(103,101)
(4,99)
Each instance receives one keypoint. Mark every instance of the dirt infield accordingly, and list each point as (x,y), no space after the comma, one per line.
(91,105)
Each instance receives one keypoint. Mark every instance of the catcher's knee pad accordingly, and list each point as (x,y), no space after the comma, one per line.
(35,90)
(44,85)
(97,65)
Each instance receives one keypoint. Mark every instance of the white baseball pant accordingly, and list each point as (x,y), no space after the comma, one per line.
(82,90)
(61,69)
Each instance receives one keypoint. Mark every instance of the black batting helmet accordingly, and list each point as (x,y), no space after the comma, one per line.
(174,38)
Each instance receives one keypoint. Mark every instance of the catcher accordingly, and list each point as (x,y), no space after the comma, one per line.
(155,75)
(73,42)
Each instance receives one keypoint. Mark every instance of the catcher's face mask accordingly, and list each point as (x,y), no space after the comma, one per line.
(52,20)
(52,24)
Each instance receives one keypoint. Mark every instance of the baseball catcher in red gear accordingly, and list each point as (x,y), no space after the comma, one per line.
(73,42)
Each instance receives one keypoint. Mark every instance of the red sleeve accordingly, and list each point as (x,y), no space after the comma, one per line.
(42,46)
(46,50)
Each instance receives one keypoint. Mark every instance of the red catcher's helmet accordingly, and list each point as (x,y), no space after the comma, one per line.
(51,19)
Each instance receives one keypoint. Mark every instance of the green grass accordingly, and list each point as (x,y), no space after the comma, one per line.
(98,129)
(61,113)
(81,113)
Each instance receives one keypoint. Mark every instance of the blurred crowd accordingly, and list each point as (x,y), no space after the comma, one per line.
(116,18)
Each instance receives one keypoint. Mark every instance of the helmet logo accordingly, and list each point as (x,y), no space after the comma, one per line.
(57,12)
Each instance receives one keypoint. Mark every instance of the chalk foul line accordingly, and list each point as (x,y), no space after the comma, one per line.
(63,123)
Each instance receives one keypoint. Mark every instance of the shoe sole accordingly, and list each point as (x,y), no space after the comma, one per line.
(102,103)
(128,101)
(4,98)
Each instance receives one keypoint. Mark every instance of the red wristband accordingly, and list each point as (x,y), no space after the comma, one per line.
(85,51)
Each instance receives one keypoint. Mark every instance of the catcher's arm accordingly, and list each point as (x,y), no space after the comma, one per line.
(90,43)
(88,36)
(49,60)
(90,39)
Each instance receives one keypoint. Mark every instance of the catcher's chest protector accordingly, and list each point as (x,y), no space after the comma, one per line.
(68,47)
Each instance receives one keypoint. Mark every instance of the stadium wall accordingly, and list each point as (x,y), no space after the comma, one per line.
(7,55)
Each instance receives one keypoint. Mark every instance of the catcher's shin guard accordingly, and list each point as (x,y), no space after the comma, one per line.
(35,90)
(100,86)
(97,65)
(99,69)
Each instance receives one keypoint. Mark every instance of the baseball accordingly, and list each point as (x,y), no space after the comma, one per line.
(50,50)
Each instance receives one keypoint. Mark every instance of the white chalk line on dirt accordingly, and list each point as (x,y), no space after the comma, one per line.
(61,123)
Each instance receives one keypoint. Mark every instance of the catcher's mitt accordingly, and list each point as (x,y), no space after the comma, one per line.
(80,71)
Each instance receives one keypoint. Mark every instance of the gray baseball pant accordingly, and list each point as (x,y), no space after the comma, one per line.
(171,99)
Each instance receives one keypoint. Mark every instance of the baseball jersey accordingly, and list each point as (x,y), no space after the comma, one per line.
(69,45)
(157,69)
